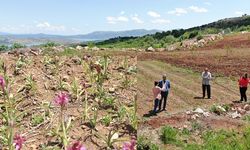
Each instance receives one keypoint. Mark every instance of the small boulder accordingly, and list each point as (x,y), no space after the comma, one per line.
(79,47)
(111,90)
(235,115)
(246,107)
(150,49)
(199,110)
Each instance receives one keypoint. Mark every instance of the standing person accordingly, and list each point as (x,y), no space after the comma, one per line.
(164,84)
(157,95)
(206,77)
(243,84)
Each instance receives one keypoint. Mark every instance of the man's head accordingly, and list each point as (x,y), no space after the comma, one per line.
(206,70)
(164,77)
(245,75)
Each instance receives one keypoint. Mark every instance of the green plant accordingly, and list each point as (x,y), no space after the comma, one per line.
(246,118)
(196,126)
(110,139)
(76,89)
(61,84)
(168,135)
(108,102)
(4,48)
(226,107)
(106,120)
(93,120)
(86,108)
(132,113)
(10,114)
(17,45)
(30,84)
(36,120)
(121,114)
(19,64)
(144,144)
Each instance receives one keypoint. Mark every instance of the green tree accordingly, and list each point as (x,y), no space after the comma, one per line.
(4,48)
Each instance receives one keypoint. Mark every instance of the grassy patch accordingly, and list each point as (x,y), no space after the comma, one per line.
(145,144)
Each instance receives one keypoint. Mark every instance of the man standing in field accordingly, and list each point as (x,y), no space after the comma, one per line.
(164,84)
(206,77)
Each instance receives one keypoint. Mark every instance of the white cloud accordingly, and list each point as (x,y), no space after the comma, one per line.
(111,20)
(198,9)
(122,19)
(136,19)
(160,21)
(239,13)
(48,27)
(115,20)
(154,14)
(39,27)
(178,11)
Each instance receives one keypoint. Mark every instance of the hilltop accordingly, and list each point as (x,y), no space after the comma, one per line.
(167,38)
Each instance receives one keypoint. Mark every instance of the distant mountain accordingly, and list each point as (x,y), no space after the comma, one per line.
(103,35)
(30,39)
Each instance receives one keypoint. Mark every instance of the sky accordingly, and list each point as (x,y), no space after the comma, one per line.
(68,17)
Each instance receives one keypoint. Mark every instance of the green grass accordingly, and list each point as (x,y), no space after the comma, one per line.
(168,135)
(36,120)
(209,139)
(145,144)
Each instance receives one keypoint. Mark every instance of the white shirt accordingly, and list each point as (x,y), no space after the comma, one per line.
(206,77)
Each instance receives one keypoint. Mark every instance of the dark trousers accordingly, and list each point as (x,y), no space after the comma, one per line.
(164,97)
(208,89)
(156,104)
(243,95)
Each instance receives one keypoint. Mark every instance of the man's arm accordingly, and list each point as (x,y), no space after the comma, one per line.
(169,84)
(209,76)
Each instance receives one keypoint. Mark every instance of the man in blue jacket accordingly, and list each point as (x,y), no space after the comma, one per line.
(164,84)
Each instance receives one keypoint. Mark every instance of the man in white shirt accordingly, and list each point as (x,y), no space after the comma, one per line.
(164,84)
(206,77)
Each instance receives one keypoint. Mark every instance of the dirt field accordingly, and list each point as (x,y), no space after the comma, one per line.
(230,41)
(228,62)
(50,74)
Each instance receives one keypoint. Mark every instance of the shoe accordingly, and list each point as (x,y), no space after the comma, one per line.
(164,109)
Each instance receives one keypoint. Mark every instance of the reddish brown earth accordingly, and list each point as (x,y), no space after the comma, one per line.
(229,63)
(230,41)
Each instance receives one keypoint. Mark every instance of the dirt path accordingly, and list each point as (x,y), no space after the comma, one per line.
(185,91)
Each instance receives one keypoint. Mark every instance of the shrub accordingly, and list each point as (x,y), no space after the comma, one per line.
(168,135)
(49,44)
(17,45)
(199,37)
(193,34)
(144,144)
(4,48)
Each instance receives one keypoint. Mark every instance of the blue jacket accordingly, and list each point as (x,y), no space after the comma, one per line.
(168,85)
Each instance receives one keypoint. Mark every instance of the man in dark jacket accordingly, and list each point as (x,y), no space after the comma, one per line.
(164,84)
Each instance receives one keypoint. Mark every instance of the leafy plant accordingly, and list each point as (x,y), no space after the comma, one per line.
(76,89)
(36,120)
(144,144)
(110,139)
(106,120)
(19,64)
(86,108)
(93,120)
(168,135)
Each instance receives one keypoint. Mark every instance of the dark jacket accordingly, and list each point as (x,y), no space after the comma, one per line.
(161,83)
